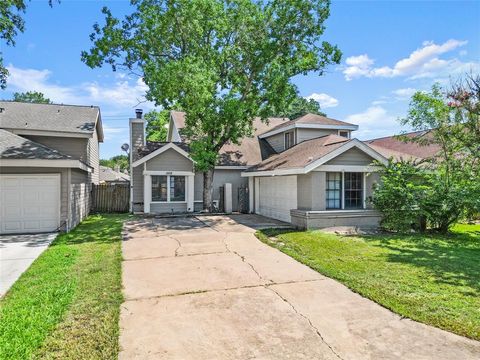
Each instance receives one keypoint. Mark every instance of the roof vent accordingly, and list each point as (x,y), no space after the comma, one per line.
(2,110)
(138,113)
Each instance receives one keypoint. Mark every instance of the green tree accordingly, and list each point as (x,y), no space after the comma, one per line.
(301,106)
(222,61)
(31,97)
(11,23)
(449,181)
(118,160)
(157,125)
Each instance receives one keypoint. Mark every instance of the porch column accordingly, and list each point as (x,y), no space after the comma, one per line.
(364,188)
(190,193)
(257,194)
(147,193)
(251,192)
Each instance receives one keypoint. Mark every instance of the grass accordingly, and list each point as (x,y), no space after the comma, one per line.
(433,279)
(67,304)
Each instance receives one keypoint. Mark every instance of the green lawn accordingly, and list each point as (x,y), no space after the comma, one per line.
(433,279)
(66,305)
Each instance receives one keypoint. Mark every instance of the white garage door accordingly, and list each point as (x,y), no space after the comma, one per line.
(277,195)
(29,203)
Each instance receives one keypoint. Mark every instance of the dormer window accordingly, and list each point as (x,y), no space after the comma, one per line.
(289,139)
(344,133)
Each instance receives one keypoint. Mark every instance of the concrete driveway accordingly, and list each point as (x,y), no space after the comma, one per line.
(206,288)
(17,252)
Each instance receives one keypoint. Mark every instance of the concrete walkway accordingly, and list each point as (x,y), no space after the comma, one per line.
(206,288)
(17,253)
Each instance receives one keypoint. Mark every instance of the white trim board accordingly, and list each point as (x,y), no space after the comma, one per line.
(161,150)
(52,163)
(307,126)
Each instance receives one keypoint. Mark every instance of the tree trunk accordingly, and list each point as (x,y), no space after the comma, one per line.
(208,190)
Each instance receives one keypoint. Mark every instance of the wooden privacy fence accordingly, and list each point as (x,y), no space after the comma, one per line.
(110,198)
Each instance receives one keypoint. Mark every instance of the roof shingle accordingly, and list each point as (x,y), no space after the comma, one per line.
(13,146)
(48,117)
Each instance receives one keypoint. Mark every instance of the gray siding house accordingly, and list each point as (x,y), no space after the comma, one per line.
(309,172)
(49,157)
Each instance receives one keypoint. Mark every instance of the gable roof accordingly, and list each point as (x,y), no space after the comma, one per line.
(16,147)
(108,174)
(310,154)
(74,119)
(312,121)
(160,148)
(411,148)
(250,151)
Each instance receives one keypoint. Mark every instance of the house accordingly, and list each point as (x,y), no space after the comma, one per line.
(48,161)
(308,171)
(113,176)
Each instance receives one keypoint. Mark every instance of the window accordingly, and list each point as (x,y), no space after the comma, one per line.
(353,191)
(345,134)
(168,188)
(159,188)
(289,139)
(334,190)
(177,188)
(350,188)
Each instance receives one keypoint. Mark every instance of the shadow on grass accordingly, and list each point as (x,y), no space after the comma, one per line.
(453,259)
(90,231)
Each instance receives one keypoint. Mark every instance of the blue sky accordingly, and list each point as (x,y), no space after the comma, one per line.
(390,49)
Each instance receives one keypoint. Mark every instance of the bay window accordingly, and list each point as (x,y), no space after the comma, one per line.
(344,190)
(168,188)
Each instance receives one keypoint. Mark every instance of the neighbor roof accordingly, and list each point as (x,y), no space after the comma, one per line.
(16,147)
(311,120)
(250,151)
(415,149)
(108,174)
(49,117)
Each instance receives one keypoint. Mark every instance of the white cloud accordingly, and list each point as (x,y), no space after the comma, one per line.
(423,62)
(404,94)
(112,132)
(121,94)
(357,66)
(374,122)
(325,100)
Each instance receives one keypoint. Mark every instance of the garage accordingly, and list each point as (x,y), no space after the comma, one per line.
(29,203)
(277,196)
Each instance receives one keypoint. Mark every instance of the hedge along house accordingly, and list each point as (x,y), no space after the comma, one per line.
(308,171)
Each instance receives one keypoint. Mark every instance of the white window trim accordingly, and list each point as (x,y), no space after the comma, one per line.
(189,189)
(168,191)
(348,133)
(342,192)
(284,139)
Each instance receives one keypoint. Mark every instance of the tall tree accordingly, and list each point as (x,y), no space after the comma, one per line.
(118,160)
(453,116)
(11,23)
(31,97)
(222,61)
(157,125)
(301,106)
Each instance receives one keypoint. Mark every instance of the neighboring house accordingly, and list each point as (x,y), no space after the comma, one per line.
(111,176)
(48,161)
(309,171)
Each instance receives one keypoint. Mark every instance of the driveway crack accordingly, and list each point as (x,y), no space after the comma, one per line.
(306,318)
(178,242)
(243,259)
